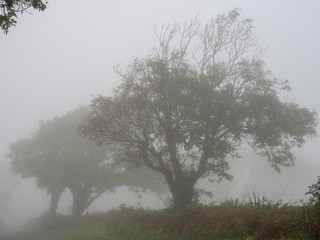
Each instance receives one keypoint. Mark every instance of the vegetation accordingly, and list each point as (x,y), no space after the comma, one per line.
(314,212)
(256,218)
(185,109)
(10,8)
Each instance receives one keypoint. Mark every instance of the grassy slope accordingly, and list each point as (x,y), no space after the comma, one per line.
(258,219)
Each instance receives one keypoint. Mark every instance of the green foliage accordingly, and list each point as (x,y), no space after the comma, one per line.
(10,8)
(314,211)
(258,218)
(314,191)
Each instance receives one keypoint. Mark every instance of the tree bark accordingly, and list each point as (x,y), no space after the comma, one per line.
(183,192)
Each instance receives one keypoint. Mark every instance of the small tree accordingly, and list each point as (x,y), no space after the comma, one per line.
(187,107)
(10,8)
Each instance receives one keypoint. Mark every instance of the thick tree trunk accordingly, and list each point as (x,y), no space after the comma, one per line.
(81,198)
(79,205)
(183,193)
(55,195)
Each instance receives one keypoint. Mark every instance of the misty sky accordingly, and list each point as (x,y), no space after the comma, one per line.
(59,59)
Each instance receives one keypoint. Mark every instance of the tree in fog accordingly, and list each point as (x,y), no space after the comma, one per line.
(29,160)
(59,158)
(187,107)
(49,155)
(10,8)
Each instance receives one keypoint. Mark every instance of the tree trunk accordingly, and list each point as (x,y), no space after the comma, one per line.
(79,205)
(81,196)
(183,192)
(55,195)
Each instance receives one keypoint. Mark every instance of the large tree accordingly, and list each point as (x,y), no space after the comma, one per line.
(9,10)
(187,107)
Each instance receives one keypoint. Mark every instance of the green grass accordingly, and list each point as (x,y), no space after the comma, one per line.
(86,232)
(100,233)
(94,232)
(256,219)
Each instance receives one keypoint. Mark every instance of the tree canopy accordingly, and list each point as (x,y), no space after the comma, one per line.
(9,10)
(59,158)
(188,106)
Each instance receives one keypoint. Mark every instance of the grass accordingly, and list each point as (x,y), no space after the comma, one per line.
(255,219)
(100,233)
(85,232)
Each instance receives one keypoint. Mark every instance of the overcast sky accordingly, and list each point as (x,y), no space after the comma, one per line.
(54,61)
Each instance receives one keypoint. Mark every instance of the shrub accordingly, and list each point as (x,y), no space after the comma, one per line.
(256,218)
(314,210)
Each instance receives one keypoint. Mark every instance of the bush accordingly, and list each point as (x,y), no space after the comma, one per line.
(256,218)
(314,209)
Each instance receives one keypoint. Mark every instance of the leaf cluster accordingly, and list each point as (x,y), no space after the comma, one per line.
(9,10)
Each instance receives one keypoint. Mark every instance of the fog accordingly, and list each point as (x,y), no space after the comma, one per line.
(59,59)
